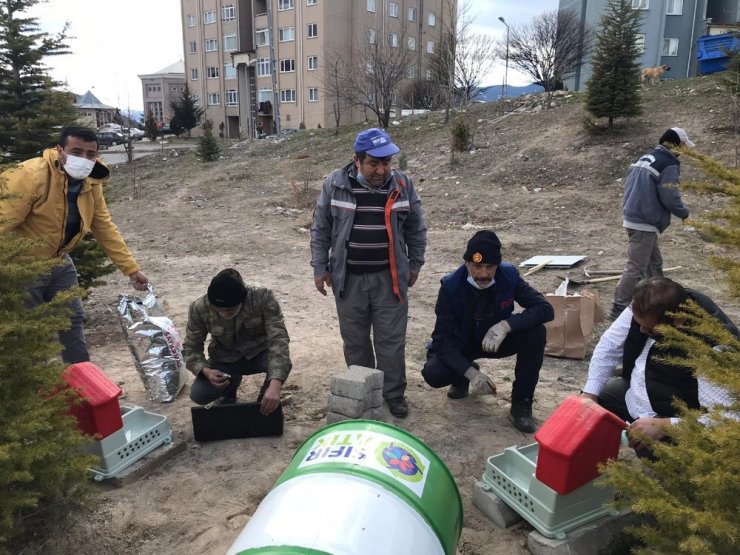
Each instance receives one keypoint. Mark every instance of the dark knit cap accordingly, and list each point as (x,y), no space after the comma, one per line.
(227,289)
(484,248)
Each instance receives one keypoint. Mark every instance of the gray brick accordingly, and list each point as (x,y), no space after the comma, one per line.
(373,377)
(344,405)
(373,414)
(586,540)
(374,399)
(350,384)
(332,417)
(494,507)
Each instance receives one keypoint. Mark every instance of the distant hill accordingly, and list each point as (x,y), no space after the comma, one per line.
(492,93)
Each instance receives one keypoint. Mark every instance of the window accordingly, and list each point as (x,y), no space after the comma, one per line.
(410,72)
(313,63)
(193,47)
(393,9)
(370,36)
(285,5)
(287,65)
(640,4)
(229,71)
(371,5)
(393,40)
(430,47)
(264,95)
(674,7)
(286,34)
(196,99)
(229,42)
(263,37)
(232,97)
(211,72)
(211,45)
(428,75)
(228,13)
(190,20)
(412,14)
(311,2)
(214,99)
(209,17)
(264,67)
(431,20)
(670,47)
(194,74)
(313,30)
(313,94)
(369,68)
(411,43)
(287,95)
(640,42)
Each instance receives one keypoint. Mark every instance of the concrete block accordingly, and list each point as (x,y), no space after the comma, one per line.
(332,417)
(373,376)
(586,540)
(494,507)
(346,406)
(373,414)
(374,399)
(350,384)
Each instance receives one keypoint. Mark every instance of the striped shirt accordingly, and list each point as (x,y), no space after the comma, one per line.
(367,249)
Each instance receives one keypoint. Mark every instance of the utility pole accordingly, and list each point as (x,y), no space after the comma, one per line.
(505,86)
(275,91)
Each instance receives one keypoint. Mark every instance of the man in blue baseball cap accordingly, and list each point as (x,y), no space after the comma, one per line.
(367,243)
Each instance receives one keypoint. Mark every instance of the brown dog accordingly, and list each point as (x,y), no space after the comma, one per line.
(653,73)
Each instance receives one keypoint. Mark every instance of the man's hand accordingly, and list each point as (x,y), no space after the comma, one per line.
(413,276)
(652,428)
(139,280)
(480,382)
(321,281)
(216,377)
(271,398)
(495,336)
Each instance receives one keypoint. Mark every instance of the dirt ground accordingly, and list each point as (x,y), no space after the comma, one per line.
(543,183)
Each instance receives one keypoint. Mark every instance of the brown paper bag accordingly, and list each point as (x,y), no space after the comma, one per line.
(575,315)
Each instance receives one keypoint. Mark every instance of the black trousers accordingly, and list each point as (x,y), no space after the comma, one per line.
(203,391)
(527,345)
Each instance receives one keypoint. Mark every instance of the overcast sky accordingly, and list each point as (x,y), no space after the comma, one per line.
(115,41)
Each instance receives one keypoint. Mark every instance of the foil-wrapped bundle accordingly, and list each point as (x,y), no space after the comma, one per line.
(155,344)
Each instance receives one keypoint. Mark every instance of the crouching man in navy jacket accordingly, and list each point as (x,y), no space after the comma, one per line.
(475,319)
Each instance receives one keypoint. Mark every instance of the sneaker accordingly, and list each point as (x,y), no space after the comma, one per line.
(457,392)
(398,407)
(520,415)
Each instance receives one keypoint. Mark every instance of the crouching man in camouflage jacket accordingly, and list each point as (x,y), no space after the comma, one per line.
(248,336)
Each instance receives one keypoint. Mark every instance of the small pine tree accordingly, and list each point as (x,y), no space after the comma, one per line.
(613,90)
(186,111)
(208,149)
(176,127)
(460,135)
(150,127)
(91,262)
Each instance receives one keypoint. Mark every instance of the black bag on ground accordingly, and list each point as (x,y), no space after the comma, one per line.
(238,420)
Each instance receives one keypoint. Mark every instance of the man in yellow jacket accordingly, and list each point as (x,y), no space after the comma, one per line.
(55,200)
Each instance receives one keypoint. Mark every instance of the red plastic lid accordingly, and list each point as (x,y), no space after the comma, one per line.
(93,385)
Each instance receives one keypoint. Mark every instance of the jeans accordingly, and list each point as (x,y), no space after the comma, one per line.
(643,260)
(203,391)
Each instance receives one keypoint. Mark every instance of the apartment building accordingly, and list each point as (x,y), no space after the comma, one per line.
(253,62)
(160,89)
(669,31)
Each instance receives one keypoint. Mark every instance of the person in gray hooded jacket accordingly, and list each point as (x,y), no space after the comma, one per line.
(651,196)
(367,243)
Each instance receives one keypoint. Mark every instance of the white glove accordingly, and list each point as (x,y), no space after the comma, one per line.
(481,383)
(495,336)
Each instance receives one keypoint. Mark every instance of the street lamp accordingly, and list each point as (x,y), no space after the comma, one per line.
(505,86)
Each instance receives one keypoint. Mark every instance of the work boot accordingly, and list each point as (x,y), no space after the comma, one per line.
(520,414)
(398,407)
(614,313)
(458,392)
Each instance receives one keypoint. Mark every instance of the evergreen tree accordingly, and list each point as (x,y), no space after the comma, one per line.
(208,149)
(186,111)
(176,127)
(31,109)
(613,90)
(691,492)
(91,262)
(41,465)
(150,127)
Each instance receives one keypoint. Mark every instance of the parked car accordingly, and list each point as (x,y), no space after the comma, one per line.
(134,133)
(110,138)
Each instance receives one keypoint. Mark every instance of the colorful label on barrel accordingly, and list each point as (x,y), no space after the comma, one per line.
(374,451)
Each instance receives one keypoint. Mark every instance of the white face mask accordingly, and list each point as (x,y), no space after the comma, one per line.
(78,168)
(474,283)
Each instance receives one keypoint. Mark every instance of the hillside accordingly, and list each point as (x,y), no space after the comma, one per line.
(542,182)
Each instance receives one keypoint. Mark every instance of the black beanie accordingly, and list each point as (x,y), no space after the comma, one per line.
(484,248)
(227,289)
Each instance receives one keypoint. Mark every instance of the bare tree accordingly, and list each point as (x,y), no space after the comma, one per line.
(422,94)
(373,79)
(335,89)
(550,48)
